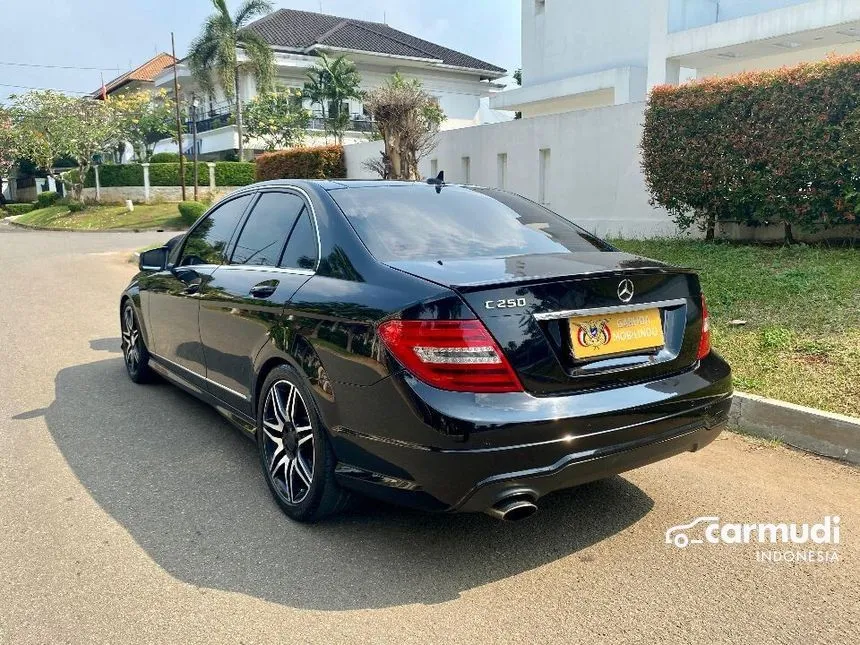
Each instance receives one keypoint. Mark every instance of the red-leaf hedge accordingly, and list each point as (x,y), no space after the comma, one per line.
(775,146)
(321,162)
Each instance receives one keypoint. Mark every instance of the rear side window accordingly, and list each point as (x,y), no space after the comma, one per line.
(302,249)
(207,242)
(415,222)
(262,238)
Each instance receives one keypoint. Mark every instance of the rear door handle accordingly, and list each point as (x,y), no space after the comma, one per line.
(263,290)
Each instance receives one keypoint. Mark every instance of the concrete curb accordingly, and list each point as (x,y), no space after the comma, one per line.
(93,230)
(823,433)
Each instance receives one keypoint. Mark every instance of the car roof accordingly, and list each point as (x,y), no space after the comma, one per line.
(341,184)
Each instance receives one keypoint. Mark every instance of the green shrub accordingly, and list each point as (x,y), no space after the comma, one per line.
(190,212)
(322,162)
(116,175)
(166,174)
(233,173)
(19,209)
(765,147)
(227,173)
(164,157)
(76,207)
(47,198)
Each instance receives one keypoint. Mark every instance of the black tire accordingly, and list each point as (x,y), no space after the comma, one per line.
(134,351)
(289,456)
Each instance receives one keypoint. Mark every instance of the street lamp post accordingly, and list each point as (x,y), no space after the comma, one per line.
(195,103)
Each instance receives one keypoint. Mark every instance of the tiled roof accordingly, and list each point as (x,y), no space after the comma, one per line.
(146,72)
(300,30)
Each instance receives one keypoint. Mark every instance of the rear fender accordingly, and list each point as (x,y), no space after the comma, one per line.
(303,358)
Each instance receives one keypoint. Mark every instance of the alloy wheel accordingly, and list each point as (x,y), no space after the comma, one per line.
(131,339)
(288,441)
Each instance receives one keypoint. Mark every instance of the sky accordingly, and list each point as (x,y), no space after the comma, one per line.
(117,35)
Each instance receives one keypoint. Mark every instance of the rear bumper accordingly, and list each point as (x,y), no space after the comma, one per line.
(437,450)
(574,468)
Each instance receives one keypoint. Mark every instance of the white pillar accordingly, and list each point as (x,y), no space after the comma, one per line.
(211,165)
(98,184)
(145,181)
(660,70)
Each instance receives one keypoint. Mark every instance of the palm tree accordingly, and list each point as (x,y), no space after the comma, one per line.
(333,81)
(214,53)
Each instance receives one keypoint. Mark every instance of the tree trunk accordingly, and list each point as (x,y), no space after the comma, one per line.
(78,188)
(239,117)
(789,235)
(711,227)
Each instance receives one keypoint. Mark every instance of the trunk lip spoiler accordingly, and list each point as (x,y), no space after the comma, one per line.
(620,309)
(466,287)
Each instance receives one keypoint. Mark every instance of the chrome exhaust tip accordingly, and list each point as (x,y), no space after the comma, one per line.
(513,508)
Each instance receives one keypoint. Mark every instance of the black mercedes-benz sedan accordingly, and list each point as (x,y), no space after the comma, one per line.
(448,347)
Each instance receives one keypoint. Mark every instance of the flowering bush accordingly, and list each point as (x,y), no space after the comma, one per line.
(765,147)
(321,162)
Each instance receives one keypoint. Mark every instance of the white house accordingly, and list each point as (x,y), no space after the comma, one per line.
(583,54)
(587,67)
(457,80)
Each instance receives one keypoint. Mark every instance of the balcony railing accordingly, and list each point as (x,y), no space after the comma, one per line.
(218,115)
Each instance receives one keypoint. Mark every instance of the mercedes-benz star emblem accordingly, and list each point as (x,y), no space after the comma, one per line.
(625,290)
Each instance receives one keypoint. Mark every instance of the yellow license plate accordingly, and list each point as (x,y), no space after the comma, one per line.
(621,333)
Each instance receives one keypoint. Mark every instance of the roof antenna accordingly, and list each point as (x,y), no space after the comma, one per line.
(438,181)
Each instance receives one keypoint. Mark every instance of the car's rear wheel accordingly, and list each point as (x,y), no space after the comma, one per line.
(295,454)
(134,350)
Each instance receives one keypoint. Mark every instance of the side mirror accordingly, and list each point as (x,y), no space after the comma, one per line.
(153,260)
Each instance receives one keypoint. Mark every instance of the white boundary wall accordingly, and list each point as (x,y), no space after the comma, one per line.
(592,171)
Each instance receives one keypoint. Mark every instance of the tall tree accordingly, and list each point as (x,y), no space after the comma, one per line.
(332,82)
(53,125)
(144,119)
(214,54)
(408,120)
(277,118)
(9,145)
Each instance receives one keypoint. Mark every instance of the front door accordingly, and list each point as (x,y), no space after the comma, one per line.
(241,306)
(173,295)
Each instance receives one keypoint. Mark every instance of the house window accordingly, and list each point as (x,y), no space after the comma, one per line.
(501,170)
(543,177)
(466,165)
(434,167)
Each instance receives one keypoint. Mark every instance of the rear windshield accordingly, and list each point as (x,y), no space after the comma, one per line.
(415,222)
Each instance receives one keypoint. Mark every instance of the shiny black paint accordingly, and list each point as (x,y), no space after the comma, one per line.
(399,438)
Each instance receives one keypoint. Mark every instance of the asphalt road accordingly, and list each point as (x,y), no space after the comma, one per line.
(135,514)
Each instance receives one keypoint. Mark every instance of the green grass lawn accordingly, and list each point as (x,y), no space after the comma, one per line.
(801,342)
(105,218)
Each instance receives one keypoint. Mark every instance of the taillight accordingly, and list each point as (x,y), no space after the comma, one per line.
(705,340)
(450,354)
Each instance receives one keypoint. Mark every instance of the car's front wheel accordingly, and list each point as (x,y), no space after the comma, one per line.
(134,350)
(295,454)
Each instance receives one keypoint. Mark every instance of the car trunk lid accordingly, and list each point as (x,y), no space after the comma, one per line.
(528,302)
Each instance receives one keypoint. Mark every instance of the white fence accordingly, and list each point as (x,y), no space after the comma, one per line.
(584,165)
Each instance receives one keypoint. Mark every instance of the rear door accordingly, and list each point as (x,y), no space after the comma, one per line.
(241,306)
(173,295)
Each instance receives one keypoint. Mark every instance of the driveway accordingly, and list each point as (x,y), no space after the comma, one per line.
(135,514)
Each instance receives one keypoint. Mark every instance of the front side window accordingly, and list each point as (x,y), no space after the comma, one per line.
(262,238)
(206,243)
(415,222)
